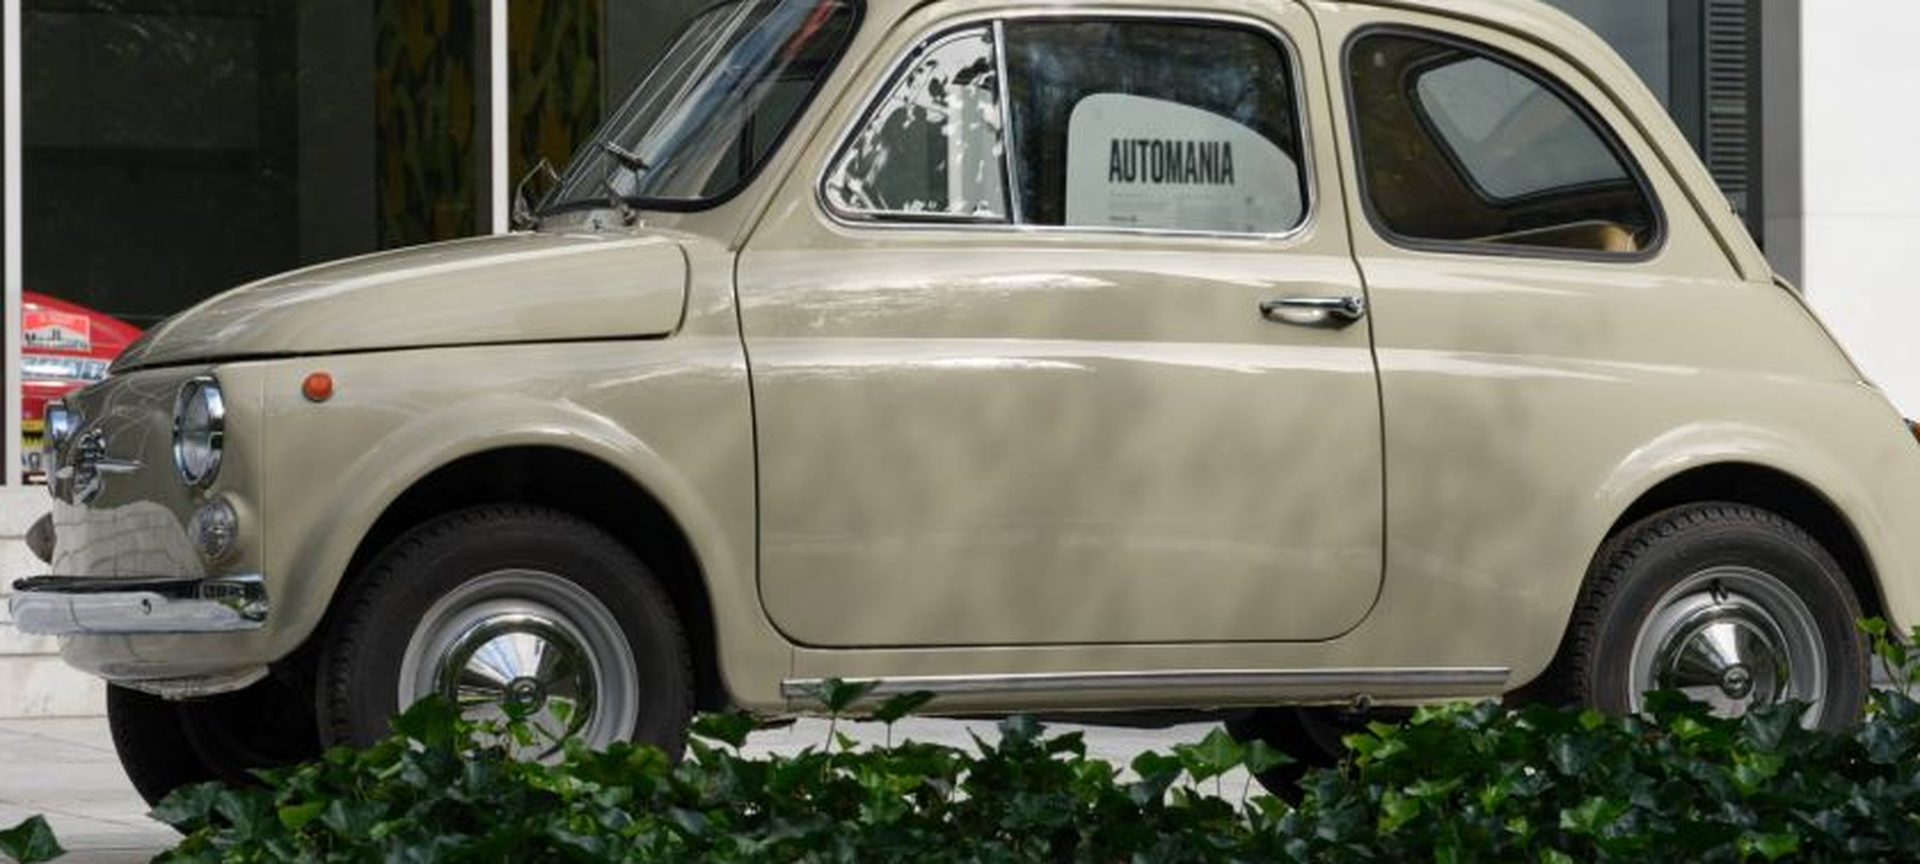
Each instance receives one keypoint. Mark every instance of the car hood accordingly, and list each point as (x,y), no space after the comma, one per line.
(487,290)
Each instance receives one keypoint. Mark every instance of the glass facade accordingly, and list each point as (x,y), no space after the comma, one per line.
(218,141)
(176,148)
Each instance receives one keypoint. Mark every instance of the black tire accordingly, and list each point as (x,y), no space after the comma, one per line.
(269,724)
(1747,571)
(164,745)
(572,574)
(153,750)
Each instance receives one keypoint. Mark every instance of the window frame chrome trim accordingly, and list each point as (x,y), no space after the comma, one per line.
(1009,170)
(1311,213)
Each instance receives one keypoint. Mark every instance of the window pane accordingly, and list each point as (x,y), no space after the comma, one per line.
(1491,117)
(933,146)
(1163,125)
(1460,145)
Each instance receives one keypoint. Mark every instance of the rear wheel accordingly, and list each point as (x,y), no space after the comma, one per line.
(510,611)
(1729,604)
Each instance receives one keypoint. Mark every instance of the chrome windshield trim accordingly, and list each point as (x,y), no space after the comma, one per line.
(1252,682)
(87,606)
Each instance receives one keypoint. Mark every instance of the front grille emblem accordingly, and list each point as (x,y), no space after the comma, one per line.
(81,481)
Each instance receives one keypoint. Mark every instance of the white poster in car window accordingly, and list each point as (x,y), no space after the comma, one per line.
(1135,162)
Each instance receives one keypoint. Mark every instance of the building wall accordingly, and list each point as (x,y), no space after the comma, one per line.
(33,681)
(1862,184)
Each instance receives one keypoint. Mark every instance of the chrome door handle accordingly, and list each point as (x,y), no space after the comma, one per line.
(1315,311)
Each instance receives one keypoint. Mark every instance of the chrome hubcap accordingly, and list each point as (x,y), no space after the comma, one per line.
(527,646)
(1734,638)
(519,667)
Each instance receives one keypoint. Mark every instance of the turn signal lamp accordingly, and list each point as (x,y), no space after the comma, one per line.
(318,387)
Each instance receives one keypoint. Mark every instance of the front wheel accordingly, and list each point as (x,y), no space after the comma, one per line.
(510,612)
(164,745)
(1729,604)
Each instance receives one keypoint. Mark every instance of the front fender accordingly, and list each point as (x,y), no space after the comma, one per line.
(672,415)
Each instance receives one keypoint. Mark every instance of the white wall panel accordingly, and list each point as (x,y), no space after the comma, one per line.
(1862,189)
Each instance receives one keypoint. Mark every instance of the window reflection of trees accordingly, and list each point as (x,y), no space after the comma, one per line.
(933,145)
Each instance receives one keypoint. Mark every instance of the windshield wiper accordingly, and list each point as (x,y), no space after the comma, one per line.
(619,203)
(626,157)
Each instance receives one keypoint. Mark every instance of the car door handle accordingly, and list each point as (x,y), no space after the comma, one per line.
(1315,311)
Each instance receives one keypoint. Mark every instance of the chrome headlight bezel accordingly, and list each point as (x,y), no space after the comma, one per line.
(199,431)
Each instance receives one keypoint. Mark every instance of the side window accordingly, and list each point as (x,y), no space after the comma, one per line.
(1156,125)
(1131,124)
(1461,145)
(931,147)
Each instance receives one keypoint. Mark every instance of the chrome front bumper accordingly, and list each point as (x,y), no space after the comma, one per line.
(87,606)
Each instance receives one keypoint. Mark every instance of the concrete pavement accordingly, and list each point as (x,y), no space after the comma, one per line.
(65,770)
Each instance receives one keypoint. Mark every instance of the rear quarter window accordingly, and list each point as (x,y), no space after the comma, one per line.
(1463,146)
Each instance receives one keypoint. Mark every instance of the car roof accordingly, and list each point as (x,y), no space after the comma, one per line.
(1529,19)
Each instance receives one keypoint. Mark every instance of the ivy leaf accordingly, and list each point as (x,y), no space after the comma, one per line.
(187,808)
(30,842)
(730,728)
(1020,731)
(1262,757)
(837,695)
(1772,847)
(899,706)
(1589,817)
(1215,755)
(1397,810)
(433,722)
(1157,771)
(296,816)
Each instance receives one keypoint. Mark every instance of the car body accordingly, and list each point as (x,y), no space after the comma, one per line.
(1388,428)
(66,346)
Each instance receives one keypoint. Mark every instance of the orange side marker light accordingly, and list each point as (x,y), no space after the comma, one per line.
(318,387)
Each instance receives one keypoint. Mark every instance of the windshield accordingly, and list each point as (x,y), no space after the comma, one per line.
(713,108)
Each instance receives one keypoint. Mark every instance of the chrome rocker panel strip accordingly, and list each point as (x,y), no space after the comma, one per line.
(1242,684)
(89,606)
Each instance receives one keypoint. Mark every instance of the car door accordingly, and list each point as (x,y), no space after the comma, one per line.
(1056,338)
(1548,301)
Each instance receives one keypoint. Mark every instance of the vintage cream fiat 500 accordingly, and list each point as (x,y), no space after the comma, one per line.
(1222,355)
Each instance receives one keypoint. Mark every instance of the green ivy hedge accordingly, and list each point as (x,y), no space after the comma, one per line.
(1462,783)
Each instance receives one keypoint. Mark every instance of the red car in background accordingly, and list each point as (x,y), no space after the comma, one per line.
(64,347)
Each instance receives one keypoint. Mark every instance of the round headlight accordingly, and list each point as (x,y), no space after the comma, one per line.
(199,431)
